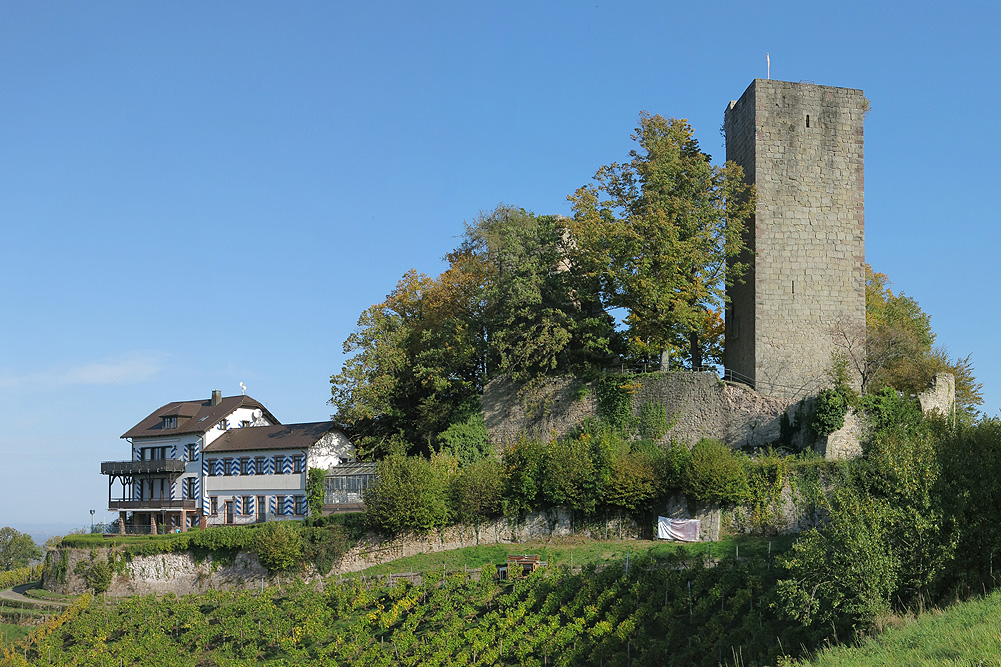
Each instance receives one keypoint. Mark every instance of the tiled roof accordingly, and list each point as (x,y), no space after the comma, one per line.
(192,416)
(282,436)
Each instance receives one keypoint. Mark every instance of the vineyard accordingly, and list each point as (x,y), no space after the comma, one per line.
(655,610)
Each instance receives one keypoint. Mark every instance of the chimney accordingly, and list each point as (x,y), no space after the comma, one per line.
(216,397)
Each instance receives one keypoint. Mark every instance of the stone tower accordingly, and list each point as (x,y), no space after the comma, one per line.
(801,146)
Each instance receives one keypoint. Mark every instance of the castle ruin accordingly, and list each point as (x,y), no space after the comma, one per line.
(800,144)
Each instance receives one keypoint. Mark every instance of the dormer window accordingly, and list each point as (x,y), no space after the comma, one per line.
(223,425)
(170,422)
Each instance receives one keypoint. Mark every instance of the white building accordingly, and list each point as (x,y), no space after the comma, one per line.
(224,460)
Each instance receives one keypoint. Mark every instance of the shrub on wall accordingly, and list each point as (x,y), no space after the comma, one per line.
(715,474)
(829,410)
(278,545)
(653,423)
(475,492)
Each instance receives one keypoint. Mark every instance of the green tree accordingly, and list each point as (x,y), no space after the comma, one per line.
(896,347)
(415,358)
(539,315)
(17,549)
(667,237)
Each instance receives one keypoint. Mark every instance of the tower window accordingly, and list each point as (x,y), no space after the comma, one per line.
(808,120)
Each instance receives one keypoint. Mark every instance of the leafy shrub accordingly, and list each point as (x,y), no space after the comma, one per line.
(324,546)
(467,440)
(475,492)
(575,472)
(278,545)
(615,400)
(98,576)
(522,475)
(715,474)
(314,491)
(829,410)
(635,481)
(410,493)
(766,477)
(887,409)
(674,467)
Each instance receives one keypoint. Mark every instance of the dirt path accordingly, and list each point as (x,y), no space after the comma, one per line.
(16,594)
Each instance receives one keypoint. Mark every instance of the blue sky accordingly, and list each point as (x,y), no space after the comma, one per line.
(194,195)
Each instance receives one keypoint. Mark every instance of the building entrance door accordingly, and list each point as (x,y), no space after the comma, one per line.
(229,511)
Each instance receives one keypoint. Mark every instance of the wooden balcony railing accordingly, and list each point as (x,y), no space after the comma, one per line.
(153,505)
(161,466)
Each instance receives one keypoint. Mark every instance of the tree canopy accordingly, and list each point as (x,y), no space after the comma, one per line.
(663,235)
(16,549)
(897,347)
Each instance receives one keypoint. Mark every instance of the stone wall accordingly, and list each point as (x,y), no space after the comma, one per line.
(699,405)
(940,396)
(802,147)
(177,573)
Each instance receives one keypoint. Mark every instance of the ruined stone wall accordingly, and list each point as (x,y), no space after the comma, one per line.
(802,147)
(699,405)
(177,573)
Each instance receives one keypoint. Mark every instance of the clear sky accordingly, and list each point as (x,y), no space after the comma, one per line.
(194,195)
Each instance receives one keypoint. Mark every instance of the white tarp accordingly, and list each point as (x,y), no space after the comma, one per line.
(682,530)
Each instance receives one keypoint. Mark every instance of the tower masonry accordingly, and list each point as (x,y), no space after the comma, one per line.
(800,144)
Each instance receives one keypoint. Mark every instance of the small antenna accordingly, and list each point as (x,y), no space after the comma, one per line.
(244,388)
(768,65)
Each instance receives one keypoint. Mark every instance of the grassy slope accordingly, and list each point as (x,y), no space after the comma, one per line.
(967,633)
(574,550)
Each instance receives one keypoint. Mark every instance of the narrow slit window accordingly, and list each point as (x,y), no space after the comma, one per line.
(808,120)
(794,287)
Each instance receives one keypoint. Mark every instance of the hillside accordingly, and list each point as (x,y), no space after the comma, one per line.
(666,606)
(963,634)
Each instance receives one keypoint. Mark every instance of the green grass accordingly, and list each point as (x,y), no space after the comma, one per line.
(968,633)
(10,633)
(576,552)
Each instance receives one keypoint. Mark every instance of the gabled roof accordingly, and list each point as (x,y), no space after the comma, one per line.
(282,436)
(192,416)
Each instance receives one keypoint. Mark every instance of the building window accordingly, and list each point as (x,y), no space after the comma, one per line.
(259,465)
(297,463)
(170,422)
(227,466)
(224,424)
(192,452)
(300,505)
(244,424)
(212,467)
(189,487)
(280,505)
(215,505)
(245,465)
(279,464)
(246,506)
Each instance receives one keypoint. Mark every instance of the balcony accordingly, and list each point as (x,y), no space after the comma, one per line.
(130,468)
(152,505)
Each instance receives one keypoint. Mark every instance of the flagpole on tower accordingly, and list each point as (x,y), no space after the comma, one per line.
(768,61)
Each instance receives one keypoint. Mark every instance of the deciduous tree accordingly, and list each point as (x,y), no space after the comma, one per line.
(17,549)
(664,235)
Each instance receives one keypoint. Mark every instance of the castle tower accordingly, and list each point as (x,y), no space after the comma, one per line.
(801,146)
